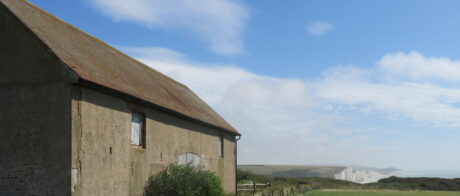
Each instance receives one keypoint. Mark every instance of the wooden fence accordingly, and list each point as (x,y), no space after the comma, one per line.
(252,187)
(258,189)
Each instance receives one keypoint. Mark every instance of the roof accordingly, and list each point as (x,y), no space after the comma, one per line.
(97,62)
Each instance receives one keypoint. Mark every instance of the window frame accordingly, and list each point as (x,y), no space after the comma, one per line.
(142,135)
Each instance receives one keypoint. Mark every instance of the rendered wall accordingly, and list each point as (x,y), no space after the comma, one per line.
(108,164)
(34,115)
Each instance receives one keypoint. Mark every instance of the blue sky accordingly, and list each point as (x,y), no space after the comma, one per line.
(372,83)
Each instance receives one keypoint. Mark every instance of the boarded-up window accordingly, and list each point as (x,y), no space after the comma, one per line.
(220,146)
(138,129)
(189,158)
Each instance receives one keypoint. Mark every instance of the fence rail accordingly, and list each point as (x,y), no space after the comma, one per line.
(254,187)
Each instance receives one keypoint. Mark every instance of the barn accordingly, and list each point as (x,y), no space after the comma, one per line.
(79,117)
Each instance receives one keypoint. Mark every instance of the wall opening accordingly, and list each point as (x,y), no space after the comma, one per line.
(138,129)
(189,158)
(220,146)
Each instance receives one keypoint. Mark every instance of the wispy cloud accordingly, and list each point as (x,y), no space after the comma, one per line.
(402,85)
(218,22)
(416,66)
(420,102)
(319,28)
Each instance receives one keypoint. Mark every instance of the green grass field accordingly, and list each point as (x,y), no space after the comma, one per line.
(381,193)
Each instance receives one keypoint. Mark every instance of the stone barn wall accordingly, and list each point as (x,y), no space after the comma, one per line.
(106,163)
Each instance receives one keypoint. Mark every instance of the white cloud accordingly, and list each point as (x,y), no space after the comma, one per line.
(218,22)
(319,28)
(370,89)
(417,66)
(290,121)
(225,83)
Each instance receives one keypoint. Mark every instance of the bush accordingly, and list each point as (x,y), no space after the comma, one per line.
(179,180)
(242,175)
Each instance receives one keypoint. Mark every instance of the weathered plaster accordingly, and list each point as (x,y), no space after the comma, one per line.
(106,122)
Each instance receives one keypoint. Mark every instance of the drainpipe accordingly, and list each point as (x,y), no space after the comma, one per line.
(238,137)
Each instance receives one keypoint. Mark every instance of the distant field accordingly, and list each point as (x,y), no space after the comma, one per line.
(381,193)
(293,171)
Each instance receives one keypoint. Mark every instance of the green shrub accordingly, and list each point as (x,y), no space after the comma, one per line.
(179,180)
(243,175)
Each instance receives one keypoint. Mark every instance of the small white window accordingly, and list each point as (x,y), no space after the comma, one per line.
(220,146)
(189,158)
(138,129)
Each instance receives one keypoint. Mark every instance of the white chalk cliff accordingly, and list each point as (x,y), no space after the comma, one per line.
(363,176)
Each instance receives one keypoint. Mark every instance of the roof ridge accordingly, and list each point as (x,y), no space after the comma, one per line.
(95,38)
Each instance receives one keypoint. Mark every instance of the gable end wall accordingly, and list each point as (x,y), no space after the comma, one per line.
(34,114)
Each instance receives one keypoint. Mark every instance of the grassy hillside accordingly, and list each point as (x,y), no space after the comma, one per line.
(292,171)
(296,185)
(417,184)
(401,186)
(380,193)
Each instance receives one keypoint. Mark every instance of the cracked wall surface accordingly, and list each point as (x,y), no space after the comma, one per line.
(109,165)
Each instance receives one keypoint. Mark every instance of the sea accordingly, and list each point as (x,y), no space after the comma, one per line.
(431,173)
